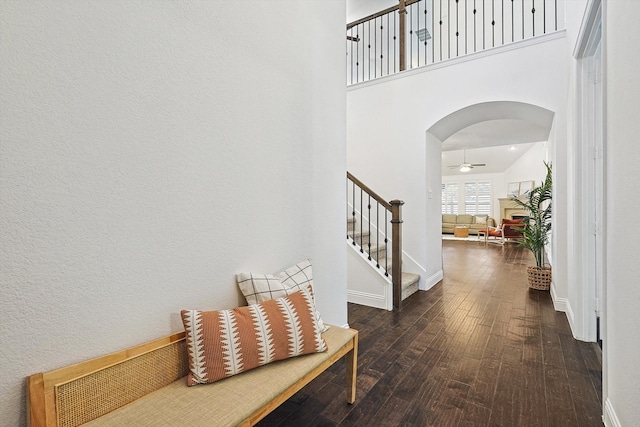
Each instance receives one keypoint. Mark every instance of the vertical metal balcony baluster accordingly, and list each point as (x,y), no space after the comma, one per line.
(448,29)
(533,18)
(475,14)
(457,28)
(522,19)
(483,26)
(513,27)
(426,52)
(433,45)
(502,22)
(440,22)
(493,23)
(375,49)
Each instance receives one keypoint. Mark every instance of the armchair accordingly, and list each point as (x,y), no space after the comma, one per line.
(507,230)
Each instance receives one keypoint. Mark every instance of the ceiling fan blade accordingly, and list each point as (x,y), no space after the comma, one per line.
(453,166)
(478,164)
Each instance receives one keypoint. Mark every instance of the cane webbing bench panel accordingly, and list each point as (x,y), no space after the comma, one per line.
(99,393)
(76,385)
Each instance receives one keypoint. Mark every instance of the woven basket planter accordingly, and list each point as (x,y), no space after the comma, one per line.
(539,278)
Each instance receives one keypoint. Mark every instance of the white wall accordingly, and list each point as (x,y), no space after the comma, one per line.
(358,9)
(431,269)
(387,120)
(622,154)
(529,167)
(150,151)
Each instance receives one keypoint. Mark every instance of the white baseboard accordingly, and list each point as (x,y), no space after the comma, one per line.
(562,304)
(431,281)
(364,298)
(610,418)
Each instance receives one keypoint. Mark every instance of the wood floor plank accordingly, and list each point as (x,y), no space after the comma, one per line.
(478,349)
(560,405)
(505,410)
(583,394)
(475,415)
(532,403)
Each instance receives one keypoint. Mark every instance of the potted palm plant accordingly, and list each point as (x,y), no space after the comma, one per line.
(535,232)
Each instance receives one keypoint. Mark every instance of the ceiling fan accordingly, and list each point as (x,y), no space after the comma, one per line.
(464,166)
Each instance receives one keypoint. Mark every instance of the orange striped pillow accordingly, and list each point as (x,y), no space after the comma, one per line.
(223,343)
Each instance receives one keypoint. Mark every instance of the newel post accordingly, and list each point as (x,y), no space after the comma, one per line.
(396,256)
(402,13)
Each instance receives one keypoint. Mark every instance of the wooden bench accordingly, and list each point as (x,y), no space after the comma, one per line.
(145,386)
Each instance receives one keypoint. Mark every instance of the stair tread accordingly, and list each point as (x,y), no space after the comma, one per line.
(409,278)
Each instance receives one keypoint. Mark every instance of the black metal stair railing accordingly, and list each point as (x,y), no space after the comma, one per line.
(368,224)
(415,33)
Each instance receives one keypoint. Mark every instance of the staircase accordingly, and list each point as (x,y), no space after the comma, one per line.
(376,253)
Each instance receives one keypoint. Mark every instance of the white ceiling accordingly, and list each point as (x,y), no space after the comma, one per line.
(497,159)
(497,143)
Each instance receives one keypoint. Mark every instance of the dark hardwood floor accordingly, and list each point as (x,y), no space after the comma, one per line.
(479,349)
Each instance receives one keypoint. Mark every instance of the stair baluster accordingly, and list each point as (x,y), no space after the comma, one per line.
(395,209)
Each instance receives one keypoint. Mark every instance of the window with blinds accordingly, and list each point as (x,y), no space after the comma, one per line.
(477,198)
(450,198)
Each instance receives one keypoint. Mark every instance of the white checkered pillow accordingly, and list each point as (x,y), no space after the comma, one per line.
(258,288)
(297,276)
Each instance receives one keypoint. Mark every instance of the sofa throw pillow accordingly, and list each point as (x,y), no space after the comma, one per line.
(223,343)
(262,287)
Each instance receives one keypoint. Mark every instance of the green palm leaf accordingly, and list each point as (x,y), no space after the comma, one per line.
(537,226)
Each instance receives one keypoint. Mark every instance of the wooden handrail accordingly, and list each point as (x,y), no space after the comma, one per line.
(368,190)
(379,14)
(372,16)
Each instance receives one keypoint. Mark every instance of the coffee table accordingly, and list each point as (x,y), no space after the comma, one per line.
(461,231)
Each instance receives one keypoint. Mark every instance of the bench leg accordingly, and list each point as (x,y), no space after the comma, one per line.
(351,359)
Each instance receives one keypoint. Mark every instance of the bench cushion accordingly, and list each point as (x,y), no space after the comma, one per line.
(227,402)
(223,343)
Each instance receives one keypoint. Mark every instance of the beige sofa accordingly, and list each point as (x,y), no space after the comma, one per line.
(474,222)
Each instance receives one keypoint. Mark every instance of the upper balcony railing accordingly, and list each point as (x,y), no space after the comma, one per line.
(415,33)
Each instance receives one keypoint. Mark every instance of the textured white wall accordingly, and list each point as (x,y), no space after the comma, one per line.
(387,121)
(622,154)
(150,151)
(357,9)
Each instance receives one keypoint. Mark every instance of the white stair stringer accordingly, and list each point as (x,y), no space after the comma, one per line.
(368,285)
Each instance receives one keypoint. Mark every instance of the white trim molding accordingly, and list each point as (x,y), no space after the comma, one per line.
(563,305)
(431,281)
(461,59)
(368,299)
(610,418)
